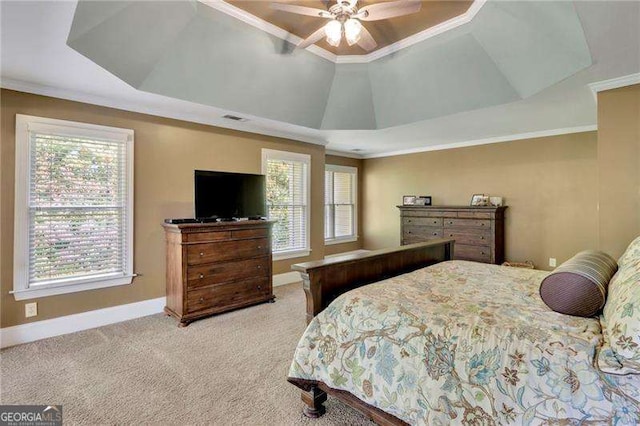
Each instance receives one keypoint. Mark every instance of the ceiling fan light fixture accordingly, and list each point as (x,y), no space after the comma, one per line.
(352,30)
(333,31)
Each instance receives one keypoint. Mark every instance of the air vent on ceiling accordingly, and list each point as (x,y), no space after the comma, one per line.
(357,150)
(234,117)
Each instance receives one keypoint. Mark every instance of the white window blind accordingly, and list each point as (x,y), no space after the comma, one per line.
(340,193)
(287,176)
(77,224)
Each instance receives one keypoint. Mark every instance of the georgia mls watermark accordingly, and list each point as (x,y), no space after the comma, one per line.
(30,415)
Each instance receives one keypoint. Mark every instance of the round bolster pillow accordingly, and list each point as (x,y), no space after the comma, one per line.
(579,286)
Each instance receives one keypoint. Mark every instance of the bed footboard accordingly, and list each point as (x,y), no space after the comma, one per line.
(324,280)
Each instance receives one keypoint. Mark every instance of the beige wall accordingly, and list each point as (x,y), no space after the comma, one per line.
(357,163)
(619,167)
(549,184)
(166,153)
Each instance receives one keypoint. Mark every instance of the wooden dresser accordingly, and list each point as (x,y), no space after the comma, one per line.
(478,231)
(216,267)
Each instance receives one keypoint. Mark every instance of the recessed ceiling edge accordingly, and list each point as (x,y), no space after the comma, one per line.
(261,24)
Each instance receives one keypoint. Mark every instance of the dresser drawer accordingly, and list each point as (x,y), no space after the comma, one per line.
(250,233)
(469,252)
(477,238)
(467,223)
(475,215)
(422,221)
(216,273)
(198,254)
(423,232)
(227,295)
(208,236)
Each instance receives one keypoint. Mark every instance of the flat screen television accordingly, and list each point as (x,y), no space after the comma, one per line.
(229,195)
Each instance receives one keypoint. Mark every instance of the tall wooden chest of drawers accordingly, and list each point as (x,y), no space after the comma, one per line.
(216,267)
(478,231)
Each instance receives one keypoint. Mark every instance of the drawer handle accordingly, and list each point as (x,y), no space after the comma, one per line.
(259,287)
(201,276)
(409,232)
(201,253)
(482,238)
(201,299)
(259,266)
(481,252)
(481,223)
(259,247)
(450,222)
(435,222)
(409,221)
(451,235)
(435,234)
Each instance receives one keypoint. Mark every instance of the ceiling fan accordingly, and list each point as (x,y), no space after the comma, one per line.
(345,19)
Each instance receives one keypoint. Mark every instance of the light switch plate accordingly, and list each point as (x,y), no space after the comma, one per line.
(552,262)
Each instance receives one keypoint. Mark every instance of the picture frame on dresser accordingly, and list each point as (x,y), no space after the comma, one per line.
(479,200)
(423,200)
(408,200)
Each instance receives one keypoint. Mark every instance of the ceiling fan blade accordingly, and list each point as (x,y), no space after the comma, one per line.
(366,40)
(301,10)
(392,9)
(313,38)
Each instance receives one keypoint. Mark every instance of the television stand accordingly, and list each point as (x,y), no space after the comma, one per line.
(217,267)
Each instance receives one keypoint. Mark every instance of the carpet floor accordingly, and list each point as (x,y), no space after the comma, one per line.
(225,370)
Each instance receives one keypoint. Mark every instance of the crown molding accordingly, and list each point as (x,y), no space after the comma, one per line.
(415,38)
(346,154)
(499,139)
(276,31)
(614,83)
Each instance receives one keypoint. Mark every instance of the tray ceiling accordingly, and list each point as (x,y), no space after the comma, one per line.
(189,51)
(36,58)
(385,32)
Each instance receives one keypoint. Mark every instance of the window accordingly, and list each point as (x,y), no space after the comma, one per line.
(288,201)
(340,195)
(73,207)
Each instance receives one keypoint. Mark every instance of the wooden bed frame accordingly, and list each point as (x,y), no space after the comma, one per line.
(324,280)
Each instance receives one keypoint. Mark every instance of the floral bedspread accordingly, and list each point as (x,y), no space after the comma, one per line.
(465,343)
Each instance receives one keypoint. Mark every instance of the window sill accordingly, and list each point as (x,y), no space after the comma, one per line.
(291,254)
(340,241)
(66,288)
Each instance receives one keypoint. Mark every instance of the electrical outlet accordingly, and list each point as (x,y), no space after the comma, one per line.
(552,262)
(31,309)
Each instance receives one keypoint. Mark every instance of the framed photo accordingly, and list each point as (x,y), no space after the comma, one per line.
(479,200)
(409,200)
(496,201)
(423,200)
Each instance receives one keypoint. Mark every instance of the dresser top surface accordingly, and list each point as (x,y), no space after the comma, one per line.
(218,225)
(480,208)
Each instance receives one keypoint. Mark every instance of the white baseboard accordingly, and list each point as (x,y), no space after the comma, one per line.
(33,331)
(286,278)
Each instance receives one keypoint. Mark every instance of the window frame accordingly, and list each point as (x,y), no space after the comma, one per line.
(272,154)
(354,193)
(21,288)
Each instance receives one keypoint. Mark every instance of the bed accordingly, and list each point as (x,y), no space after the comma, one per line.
(454,342)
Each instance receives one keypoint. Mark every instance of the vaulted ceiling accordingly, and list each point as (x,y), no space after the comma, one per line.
(519,67)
